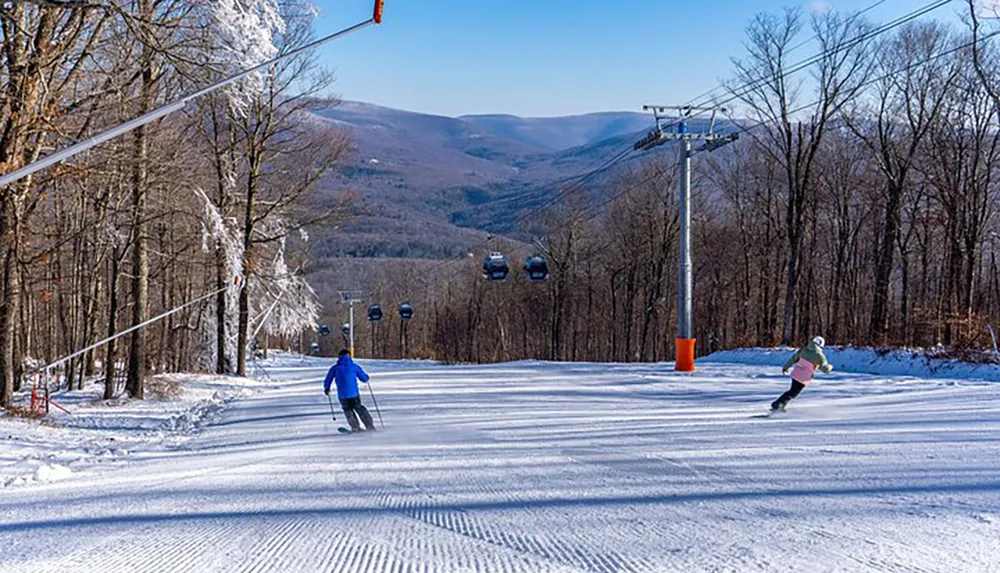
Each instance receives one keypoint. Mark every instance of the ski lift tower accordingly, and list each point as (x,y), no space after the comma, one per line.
(350,298)
(680,130)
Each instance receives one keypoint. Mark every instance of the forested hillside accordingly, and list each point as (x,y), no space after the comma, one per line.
(859,203)
(202,212)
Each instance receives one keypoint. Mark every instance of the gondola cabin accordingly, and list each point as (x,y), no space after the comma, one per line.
(374,313)
(324,330)
(405,311)
(537,268)
(495,267)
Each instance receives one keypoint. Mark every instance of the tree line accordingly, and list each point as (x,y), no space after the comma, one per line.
(208,207)
(860,203)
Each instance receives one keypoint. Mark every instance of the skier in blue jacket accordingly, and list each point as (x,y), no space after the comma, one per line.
(346,372)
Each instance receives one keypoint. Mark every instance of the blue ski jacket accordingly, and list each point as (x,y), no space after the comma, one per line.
(346,372)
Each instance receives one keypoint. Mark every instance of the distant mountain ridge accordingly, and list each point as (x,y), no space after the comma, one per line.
(431,186)
(561,133)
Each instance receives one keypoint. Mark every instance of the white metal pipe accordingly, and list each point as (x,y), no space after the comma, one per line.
(77,148)
(159,317)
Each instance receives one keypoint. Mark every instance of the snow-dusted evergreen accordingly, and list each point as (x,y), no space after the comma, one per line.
(288,305)
(222,234)
(245,34)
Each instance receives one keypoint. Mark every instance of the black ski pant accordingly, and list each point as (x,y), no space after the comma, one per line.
(788,396)
(354,408)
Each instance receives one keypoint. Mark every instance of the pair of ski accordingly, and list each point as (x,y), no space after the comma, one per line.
(344,430)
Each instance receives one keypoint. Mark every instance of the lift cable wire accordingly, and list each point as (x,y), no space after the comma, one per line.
(177,105)
(597,210)
(710,94)
(746,88)
(739,91)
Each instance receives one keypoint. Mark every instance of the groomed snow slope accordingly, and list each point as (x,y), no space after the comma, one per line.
(546,467)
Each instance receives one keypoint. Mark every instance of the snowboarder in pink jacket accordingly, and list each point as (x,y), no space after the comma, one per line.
(803,365)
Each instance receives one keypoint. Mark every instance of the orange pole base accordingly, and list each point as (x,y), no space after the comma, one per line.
(685,355)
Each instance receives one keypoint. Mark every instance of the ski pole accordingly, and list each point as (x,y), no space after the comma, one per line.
(375,402)
(330,400)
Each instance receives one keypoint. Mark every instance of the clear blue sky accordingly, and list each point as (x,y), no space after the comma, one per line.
(549,57)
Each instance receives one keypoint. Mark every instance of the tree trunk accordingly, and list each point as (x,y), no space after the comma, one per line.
(140,257)
(791,291)
(243,334)
(110,366)
(140,273)
(11,295)
(221,364)
(793,228)
(879,325)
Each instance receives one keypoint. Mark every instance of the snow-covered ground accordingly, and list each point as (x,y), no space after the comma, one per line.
(544,467)
(98,431)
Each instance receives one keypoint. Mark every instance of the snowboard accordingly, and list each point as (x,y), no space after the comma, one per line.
(771,414)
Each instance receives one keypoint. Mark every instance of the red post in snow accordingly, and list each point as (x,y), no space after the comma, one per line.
(34,396)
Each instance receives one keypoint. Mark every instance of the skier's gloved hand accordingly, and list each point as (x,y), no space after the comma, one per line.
(828,368)
(784,371)
(326,391)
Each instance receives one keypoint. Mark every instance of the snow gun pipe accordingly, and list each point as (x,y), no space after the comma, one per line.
(375,403)
(77,148)
(96,345)
(51,401)
(270,309)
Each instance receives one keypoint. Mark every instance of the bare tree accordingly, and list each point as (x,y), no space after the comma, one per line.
(44,49)
(286,154)
(892,124)
(794,134)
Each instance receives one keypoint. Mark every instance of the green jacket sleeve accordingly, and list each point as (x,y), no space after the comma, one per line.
(825,366)
(791,361)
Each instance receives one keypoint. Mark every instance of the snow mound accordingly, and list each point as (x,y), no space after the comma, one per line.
(51,473)
(868,361)
(98,431)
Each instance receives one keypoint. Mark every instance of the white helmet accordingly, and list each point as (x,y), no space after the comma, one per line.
(818,341)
